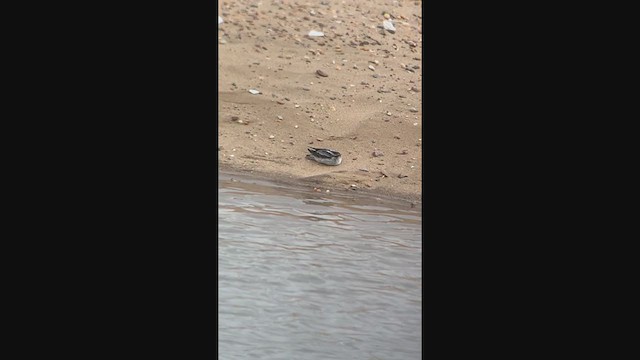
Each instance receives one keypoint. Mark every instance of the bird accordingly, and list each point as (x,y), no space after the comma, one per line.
(325,156)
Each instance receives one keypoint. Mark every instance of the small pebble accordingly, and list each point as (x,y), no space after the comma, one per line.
(271,136)
(279,117)
(322,73)
(388,25)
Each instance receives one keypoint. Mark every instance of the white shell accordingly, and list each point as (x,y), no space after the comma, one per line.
(220,21)
(388,25)
(254,91)
(314,33)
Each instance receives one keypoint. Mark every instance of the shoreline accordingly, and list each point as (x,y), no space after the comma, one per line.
(411,199)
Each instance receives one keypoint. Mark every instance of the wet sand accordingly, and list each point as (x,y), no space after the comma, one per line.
(368,106)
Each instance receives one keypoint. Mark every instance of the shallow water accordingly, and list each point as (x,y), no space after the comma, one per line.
(306,275)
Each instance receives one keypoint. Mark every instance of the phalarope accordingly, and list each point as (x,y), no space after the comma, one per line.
(325,156)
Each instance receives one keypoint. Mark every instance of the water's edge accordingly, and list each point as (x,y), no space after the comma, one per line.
(366,195)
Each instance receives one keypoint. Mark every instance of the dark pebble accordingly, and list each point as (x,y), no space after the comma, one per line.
(322,73)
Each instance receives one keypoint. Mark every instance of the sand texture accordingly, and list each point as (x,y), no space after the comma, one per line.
(356,90)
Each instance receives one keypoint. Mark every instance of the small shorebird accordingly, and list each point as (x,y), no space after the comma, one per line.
(325,156)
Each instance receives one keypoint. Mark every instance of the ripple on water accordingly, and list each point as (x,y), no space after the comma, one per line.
(309,276)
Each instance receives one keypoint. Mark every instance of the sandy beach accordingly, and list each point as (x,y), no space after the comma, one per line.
(357,90)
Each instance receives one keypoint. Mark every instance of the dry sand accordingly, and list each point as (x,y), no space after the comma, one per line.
(369,102)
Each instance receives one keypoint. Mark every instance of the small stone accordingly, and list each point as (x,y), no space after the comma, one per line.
(388,25)
(271,136)
(279,117)
(322,73)
(314,33)
(235,118)
(377,153)
(372,68)
(414,110)
(254,91)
